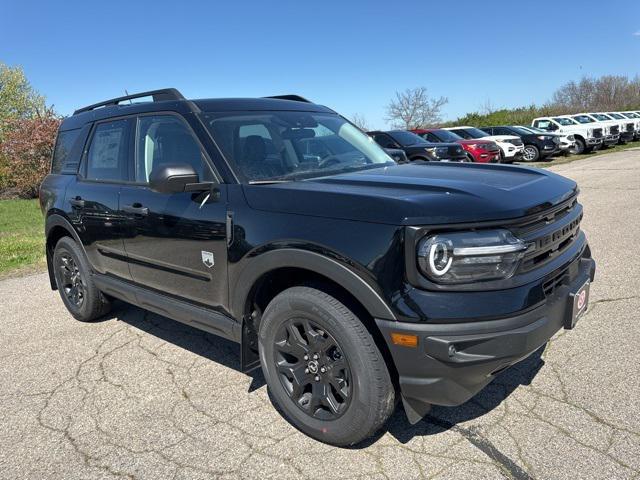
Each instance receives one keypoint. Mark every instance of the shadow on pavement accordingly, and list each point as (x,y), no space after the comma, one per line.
(212,347)
(227,353)
(445,418)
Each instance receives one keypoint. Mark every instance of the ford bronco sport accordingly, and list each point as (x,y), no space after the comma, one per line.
(352,281)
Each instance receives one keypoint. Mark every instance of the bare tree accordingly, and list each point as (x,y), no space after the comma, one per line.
(361,122)
(487,107)
(414,108)
(610,92)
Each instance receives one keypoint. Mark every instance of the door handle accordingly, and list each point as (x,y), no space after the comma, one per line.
(76,202)
(136,209)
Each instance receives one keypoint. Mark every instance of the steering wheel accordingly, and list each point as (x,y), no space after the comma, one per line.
(329,161)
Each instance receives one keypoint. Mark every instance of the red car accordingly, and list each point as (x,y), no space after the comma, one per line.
(483,151)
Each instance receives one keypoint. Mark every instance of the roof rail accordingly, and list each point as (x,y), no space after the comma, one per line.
(295,98)
(158,96)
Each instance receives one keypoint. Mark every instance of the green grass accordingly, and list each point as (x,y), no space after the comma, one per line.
(21,235)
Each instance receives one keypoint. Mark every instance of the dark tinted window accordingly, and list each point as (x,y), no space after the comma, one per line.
(407,138)
(384,140)
(109,152)
(446,136)
(64,144)
(165,140)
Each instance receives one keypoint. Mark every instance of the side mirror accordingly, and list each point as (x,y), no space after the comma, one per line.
(174,178)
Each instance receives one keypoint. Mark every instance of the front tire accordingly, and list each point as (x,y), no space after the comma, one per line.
(578,147)
(75,285)
(323,368)
(531,153)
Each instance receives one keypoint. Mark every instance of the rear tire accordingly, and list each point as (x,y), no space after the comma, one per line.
(75,284)
(323,368)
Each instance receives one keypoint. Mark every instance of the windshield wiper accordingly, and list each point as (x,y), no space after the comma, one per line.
(267,182)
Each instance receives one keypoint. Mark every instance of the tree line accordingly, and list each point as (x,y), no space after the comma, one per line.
(28,125)
(414,108)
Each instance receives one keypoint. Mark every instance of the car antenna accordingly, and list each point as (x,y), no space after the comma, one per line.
(127,94)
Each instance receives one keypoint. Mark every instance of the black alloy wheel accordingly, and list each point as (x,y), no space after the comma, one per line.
(323,368)
(75,283)
(313,369)
(72,284)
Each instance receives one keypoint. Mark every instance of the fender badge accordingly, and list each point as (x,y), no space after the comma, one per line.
(207,259)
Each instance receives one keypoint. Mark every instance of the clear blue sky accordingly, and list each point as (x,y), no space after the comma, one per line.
(351,56)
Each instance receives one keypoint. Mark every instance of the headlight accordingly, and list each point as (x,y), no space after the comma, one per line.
(543,137)
(590,132)
(465,257)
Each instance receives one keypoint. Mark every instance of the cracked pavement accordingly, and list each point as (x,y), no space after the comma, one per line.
(142,397)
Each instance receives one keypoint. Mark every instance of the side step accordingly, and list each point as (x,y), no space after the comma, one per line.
(184,312)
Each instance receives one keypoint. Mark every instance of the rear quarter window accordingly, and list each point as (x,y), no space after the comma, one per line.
(62,160)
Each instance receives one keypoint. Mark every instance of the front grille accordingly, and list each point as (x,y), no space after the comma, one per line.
(515,141)
(630,127)
(556,140)
(455,151)
(549,233)
(597,132)
(614,130)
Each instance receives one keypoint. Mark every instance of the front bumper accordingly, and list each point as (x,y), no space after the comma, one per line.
(626,136)
(594,141)
(454,361)
(611,139)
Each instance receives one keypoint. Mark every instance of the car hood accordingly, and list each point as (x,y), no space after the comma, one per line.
(474,141)
(427,194)
(501,137)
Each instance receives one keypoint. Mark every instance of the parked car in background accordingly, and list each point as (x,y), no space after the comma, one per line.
(537,146)
(480,151)
(511,146)
(587,137)
(636,118)
(627,128)
(566,143)
(611,129)
(607,119)
(398,155)
(417,148)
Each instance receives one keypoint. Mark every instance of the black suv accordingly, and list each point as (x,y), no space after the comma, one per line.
(351,280)
(536,146)
(417,148)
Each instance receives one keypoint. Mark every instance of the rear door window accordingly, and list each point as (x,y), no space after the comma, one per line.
(61,154)
(109,152)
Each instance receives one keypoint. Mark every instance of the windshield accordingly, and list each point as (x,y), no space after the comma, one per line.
(533,129)
(616,116)
(601,116)
(470,133)
(406,139)
(565,121)
(583,119)
(521,130)
(285,145)
(446,136)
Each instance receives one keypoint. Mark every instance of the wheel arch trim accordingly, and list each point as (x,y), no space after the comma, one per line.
(311,261)
(56,220)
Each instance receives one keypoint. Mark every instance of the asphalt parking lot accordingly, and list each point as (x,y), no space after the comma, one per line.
(140,396)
